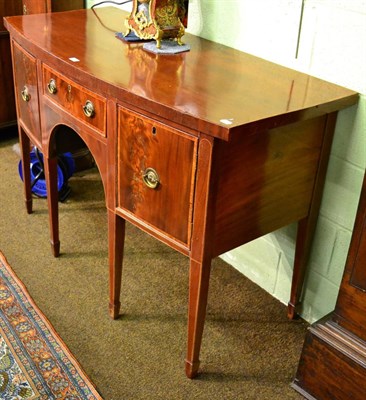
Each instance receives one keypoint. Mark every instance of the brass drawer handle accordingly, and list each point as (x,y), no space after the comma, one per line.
(151,178)
(25,94)
(51,86)
(89,109)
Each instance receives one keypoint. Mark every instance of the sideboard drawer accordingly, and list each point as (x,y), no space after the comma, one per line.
(156,172)
(78,101)
(25,73)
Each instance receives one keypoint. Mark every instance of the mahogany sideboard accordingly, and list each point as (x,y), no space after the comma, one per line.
(16,7)
(333,360)
(204,150)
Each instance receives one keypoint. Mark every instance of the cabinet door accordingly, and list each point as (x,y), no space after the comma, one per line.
(25,76)
(156,169)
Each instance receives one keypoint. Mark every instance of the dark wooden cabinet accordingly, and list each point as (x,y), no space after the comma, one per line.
(7,103)
(333,360)
(41,6)
(7,7)
(16,7)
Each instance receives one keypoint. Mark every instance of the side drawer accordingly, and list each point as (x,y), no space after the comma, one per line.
(81,103)
(156,174)
(25,78)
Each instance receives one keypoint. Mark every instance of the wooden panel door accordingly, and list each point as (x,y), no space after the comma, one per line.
(156,169)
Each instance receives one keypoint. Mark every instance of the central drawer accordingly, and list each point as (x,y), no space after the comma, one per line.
(79,102)
(156,174)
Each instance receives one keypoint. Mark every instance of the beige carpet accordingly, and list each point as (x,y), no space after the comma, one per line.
(249,349)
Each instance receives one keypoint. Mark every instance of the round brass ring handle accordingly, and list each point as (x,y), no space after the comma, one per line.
(89,109)
(51,86)
(151,178)
(25,94)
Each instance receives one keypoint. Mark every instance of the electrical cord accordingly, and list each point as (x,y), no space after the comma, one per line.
(103,2)
(113,2)
(65,190)
(41,168)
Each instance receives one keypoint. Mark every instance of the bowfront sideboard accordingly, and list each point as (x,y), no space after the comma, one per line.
(204,150)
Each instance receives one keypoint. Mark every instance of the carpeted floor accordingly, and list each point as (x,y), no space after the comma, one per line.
(249,350)
(34,362)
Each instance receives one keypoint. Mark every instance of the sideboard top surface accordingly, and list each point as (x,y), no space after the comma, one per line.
(212,88)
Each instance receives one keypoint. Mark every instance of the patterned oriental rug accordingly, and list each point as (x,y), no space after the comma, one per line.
(34,362)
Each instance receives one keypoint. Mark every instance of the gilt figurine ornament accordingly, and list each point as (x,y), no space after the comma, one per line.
(159,20)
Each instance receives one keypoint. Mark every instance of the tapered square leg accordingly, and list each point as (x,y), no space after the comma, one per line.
(25,154)
(116,237)
(199,277)
(50,165)
(307,225)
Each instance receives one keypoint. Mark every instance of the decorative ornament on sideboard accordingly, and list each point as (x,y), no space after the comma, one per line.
(162,21)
